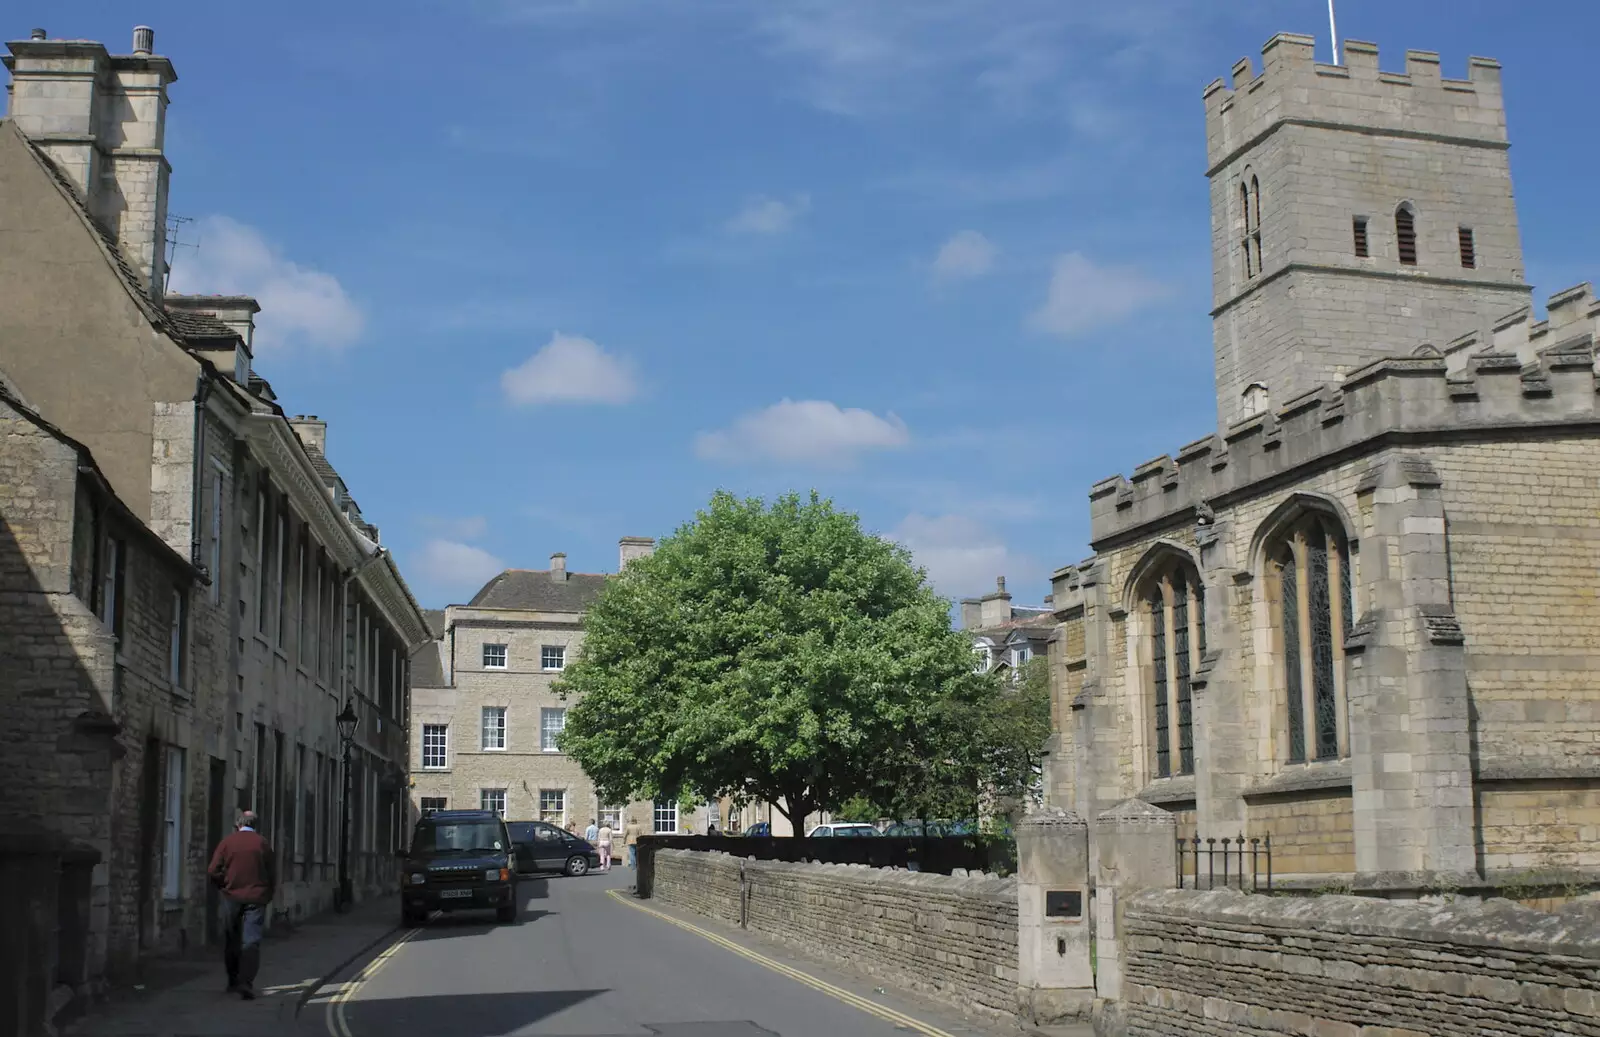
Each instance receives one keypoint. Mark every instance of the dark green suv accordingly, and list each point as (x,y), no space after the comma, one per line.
(460,860)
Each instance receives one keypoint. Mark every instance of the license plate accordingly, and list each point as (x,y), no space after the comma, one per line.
(446,894)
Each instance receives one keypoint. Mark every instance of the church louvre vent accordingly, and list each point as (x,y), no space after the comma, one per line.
(1358,227)
(1469,255)
(1405,233)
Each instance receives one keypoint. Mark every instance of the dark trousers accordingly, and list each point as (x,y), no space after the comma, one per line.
(241,946)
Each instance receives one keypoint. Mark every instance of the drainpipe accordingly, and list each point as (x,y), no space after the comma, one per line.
(202,392)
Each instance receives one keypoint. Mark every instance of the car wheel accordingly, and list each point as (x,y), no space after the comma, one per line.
(507,913)
(577,866)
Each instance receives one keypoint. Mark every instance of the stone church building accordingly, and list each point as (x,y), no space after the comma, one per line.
(1360,617)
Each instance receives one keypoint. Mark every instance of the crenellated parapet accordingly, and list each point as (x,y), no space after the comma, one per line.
(1527,373)
(1294,86)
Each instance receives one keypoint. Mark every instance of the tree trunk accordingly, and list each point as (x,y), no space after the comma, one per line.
(796,807)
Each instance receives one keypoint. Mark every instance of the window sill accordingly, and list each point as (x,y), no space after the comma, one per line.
(493,749)
(548,669)
(1166,791)
(1303,777)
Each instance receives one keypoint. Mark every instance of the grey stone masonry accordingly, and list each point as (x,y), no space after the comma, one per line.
(1528,377)
(951,938)
(1224,963)
(1298,154)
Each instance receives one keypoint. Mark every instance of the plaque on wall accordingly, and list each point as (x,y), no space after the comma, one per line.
(1063,903)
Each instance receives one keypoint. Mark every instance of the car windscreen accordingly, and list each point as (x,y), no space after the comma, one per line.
(482,836)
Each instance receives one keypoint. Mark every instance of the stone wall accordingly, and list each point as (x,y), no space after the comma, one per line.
(951,938)
(1224,963)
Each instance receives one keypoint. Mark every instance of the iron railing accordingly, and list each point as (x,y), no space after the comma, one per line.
(1225,863)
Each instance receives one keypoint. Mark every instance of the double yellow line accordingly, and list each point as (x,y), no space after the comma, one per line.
(338,1025)
(837,993)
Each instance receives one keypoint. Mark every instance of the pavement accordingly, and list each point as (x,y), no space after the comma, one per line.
(183,996)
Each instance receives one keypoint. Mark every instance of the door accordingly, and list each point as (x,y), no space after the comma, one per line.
(549,846)
(216,825)
(521,833)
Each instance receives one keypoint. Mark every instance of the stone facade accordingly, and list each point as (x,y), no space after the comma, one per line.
(1357,619)
(951,938)
(484,686)
(298,609)
(1223,963)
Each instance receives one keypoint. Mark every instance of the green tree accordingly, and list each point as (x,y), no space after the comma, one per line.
(771,653)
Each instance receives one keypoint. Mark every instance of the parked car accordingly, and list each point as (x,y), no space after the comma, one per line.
(844,829)
(760,828)
(459,860)
(542,846)
(931,829)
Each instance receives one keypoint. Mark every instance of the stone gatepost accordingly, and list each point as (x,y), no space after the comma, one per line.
(1136,846)
(1055,980)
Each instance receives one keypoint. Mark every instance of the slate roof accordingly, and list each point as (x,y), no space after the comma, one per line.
(321,464)
(535,591)
(435,620)
(193,325)
(427,671)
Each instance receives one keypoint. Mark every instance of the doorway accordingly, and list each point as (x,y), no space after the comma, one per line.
(216,827)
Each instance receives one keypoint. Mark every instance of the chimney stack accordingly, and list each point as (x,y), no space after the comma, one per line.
(101,119)
(558,567)
(996,605)
(312,430)
(629,548)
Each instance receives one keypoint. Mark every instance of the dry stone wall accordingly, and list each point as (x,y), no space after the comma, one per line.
(1223,963)
(951,938)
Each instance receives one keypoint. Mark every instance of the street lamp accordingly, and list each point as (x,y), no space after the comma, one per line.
(348,721)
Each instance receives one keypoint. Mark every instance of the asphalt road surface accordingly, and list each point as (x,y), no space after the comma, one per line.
(580,962)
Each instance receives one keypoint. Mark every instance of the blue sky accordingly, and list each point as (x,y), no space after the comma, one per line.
(555,270)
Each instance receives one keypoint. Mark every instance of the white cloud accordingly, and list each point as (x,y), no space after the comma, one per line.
(961,556)
(803,430)
(570,369)
(298,304)
(1083,296)
(966,254)
(763,215)
(470,527)
(453,567)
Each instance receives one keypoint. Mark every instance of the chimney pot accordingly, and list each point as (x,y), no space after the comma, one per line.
(1000,583)
(144,39)
(558,567)
(40,34)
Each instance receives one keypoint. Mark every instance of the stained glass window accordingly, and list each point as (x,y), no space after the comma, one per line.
(1289,589)
(1200,620)
(1180,659)
(1158,650)
(1324,701)
(1346,607)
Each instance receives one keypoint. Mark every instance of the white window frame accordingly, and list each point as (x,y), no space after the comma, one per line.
(610,816)
(668,811)
(423,801)
(493,799)
(504,654)
(559,796)
(550,736)
(173,855)
(560,654)
(443,747)
(1020,655)
(497,743)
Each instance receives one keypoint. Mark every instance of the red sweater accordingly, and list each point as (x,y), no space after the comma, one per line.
(243,868)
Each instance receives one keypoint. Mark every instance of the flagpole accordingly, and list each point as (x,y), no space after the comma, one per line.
(1333,30)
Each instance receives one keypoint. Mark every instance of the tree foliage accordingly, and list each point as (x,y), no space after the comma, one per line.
(775,653)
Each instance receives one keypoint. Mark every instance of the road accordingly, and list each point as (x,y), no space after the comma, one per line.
(581,962)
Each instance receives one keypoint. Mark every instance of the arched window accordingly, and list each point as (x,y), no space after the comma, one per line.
(1175,608)
(1405,234)
(1250,212)
(1311,562)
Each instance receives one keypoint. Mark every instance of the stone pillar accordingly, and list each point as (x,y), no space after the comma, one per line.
(1410,744)
(1136,848)
(1055,980)
(1098,735)
(1224,733)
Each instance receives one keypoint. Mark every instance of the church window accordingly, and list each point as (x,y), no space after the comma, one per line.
(1359,227)
(1405,234)
(1469,254)
(1312,567)
(1174,604)
(1250,209)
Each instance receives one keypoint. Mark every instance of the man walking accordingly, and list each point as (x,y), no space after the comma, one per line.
(592,832)
(630,839)
(244,870)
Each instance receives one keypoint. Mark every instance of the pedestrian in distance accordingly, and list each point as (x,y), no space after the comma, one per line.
(603,844)
(592,832)
(630,839)
(572,828)
(244,870)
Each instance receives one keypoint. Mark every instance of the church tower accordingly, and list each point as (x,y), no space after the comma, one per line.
(1354,214)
